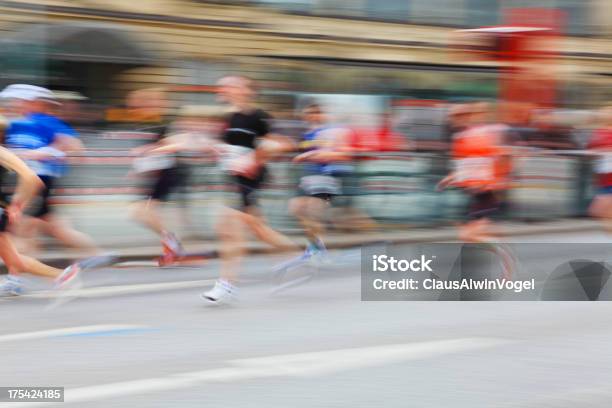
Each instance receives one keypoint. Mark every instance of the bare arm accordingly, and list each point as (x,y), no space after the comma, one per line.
(446,181)
(28,182)
(340,150)
(171,144)
(272,146)
(67,144)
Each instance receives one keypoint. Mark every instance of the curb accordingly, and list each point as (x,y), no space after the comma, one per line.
(425,236)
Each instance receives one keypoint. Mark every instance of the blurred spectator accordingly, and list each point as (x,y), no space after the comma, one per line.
(379,138)
(548,134)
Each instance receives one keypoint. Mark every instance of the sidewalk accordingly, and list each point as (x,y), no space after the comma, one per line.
(149,249)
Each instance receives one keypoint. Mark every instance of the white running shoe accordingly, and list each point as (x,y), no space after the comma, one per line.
(12,286)
(223,292)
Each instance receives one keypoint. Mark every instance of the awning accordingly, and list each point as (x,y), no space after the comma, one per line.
(81,42)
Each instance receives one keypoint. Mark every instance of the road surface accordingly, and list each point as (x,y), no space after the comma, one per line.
(139,336)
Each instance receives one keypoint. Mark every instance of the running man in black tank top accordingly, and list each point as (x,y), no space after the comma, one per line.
(249,145)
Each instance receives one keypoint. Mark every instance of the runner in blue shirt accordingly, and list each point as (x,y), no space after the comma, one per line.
(42,141)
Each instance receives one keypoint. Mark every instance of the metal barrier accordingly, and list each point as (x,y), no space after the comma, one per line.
(394,187)
(388,187)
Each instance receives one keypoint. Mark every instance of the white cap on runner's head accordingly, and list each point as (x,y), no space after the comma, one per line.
(27,92)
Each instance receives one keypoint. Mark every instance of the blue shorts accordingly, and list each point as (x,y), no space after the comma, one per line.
(605,190)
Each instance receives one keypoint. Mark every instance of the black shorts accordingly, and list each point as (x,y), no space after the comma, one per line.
(4,221)
(483,204)
(247,190)
(167,181)
(42,207)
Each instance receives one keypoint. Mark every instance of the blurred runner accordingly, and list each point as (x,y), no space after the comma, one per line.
(324,148)
(43,141)
(482,170)
(10,212)
(249,145)
(161,167)
(198,131)
(601,144)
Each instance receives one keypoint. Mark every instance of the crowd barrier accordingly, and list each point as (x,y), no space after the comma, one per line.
(398,187)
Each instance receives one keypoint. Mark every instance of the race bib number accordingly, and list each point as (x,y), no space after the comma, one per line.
(237,159)
(604,164)
(153,163)
(475,169)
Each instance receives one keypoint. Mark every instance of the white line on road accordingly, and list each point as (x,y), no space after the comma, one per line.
(102,291)
(98,328)
(297,365)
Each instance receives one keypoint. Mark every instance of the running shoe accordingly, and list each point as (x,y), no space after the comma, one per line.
(98,261)
(172,249)
(12,286)
(223,292)
(71,274)
(172,243)
(68,276)
(315,252)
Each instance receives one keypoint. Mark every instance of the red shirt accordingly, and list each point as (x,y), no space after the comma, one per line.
(381,139)
(477,153)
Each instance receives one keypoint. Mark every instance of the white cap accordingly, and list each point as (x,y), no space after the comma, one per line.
(27,92)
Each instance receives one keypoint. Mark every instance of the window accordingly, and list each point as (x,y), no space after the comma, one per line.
(481,13)
(394,10)
(577,20)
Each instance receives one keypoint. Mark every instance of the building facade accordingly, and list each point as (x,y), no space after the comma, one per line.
(106,48)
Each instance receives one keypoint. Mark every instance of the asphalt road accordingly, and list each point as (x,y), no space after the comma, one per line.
(139,336)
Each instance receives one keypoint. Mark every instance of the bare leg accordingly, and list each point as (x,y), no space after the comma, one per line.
(9,255)
(352,219)
(309,211)
(147,213)
(17,263)
(482,231)
(27,233)
(231,234)
(477,231)
(63,232)
(265,233)
(602,208)
(35,267)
